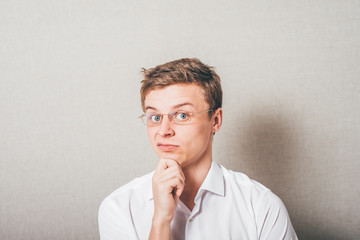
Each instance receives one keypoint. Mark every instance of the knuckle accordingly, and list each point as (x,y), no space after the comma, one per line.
(177,181)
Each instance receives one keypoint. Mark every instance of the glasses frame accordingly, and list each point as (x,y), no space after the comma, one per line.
(171,116)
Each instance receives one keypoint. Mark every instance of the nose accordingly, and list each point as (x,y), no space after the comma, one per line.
(165,128)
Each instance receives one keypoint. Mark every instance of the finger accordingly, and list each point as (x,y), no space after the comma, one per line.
(174,171)
(169,186)
(175,186)
(179,191)
(168,174)
(168,181)
(164,163)
(161,165)
(170,162)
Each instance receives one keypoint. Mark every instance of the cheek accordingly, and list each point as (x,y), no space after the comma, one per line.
(151,134)
(196,136)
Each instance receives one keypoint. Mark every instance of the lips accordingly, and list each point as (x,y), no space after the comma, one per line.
(167,147)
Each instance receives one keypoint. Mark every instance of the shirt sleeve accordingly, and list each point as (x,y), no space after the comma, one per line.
(272,219)
(115,221)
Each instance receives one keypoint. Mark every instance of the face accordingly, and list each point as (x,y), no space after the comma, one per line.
(189,144)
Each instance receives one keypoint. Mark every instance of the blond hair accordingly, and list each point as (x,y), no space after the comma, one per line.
(184,71)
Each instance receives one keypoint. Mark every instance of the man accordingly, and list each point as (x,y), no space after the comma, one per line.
(189,196)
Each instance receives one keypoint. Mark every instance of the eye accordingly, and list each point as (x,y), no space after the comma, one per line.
(182,116)
(154,117)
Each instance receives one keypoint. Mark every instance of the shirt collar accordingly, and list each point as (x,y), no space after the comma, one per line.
(214,182)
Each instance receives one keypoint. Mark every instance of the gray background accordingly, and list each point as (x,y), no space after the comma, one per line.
(69,102)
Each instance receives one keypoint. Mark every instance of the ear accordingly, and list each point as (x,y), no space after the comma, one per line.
(217,120)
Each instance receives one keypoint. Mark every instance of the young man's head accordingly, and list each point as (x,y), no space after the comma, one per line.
(176,98)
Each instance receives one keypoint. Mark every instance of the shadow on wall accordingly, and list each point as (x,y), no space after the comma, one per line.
(269,144)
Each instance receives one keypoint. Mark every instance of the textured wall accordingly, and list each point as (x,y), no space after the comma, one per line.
(69,83)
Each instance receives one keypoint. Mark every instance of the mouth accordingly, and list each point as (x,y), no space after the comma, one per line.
(167,147)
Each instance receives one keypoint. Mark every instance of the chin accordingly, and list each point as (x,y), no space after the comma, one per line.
(171,155)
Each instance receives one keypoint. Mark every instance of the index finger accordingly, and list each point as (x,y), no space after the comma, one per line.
(164,163)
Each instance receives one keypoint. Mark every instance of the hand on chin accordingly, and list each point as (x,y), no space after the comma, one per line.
(172,156)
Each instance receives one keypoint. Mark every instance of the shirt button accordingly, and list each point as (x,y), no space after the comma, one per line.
(191,219)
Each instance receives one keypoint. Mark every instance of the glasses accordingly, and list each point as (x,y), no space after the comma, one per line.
(179,117)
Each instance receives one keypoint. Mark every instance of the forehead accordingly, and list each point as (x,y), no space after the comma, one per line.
(169,97)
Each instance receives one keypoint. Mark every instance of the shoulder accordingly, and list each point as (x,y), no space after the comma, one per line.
(115,216)
(259,195)
(270,213)
(136,190)
(238,181)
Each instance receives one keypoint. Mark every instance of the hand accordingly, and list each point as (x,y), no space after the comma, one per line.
(168,184)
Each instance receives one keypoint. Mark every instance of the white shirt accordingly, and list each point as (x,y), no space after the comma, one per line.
(228,205)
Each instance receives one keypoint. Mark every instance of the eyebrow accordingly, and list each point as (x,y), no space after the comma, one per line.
(149,107)
(183,104)
(176,106)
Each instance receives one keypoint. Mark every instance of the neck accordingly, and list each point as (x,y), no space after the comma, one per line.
(194,177)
